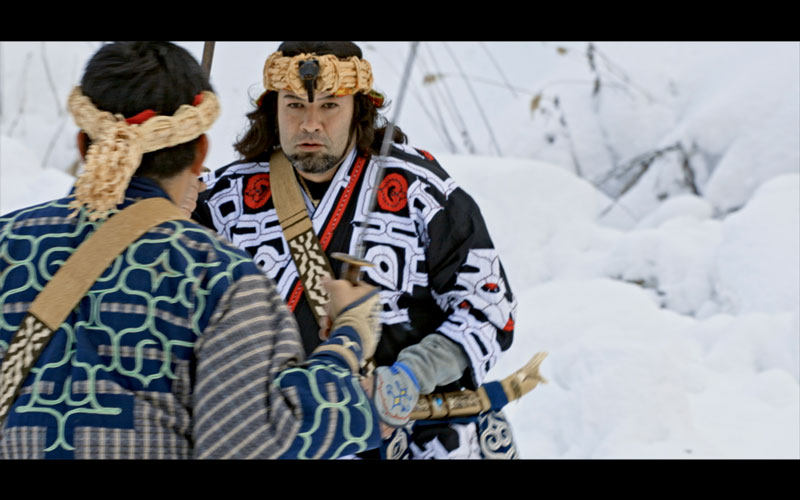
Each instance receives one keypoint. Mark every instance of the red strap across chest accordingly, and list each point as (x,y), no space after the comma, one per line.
(333,223)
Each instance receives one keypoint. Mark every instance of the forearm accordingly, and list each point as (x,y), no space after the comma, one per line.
(419,368)
(340,418)
(469,284)
(435,361)
(335,416)
(256,398)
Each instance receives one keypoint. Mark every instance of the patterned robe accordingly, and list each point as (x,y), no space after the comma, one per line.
(434,261)
(181,349)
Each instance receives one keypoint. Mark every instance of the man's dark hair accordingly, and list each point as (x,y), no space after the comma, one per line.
(130,77)
(368,125)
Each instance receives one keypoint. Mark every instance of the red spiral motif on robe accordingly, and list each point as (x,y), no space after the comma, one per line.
(257,191)
(392,193)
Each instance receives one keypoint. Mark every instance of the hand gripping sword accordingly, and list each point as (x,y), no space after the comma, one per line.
(489,396)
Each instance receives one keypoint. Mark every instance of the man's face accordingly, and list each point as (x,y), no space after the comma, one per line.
(314,136)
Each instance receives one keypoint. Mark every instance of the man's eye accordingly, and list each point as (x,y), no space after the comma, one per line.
(294,105)
(330,105)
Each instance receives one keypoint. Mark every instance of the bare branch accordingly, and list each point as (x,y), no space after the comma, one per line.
(23,93)
(498,68)
(50,82)
(453,108)
(53,141)
(477,101)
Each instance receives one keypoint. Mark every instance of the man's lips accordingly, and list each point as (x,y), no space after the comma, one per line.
(310,146)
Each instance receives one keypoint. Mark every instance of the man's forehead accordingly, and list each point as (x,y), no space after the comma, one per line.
(288,94)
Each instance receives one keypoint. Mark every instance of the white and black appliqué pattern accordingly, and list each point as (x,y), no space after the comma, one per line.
(256,231)
(480,288)
(434,260)
(397,242)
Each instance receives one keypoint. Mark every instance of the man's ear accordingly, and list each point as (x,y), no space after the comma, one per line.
(200,153)
(83,143)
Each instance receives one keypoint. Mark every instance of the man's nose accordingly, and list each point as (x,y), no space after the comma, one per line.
(311,120)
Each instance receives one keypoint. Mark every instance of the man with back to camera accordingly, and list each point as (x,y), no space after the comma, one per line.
(182,348)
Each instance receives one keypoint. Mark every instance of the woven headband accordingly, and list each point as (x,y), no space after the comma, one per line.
(339,77)
(118,145)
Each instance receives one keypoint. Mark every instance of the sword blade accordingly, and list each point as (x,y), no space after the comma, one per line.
(351,270)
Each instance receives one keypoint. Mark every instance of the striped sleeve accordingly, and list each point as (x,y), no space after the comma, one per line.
(255,396)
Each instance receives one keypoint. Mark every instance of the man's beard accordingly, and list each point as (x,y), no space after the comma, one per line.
(313,163)
(318,162)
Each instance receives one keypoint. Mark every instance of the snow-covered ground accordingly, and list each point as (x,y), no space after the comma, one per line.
(670,309)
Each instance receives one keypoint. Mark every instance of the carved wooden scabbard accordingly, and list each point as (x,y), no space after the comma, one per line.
(489,396)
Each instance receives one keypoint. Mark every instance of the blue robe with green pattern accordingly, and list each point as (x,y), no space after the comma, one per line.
(181,349)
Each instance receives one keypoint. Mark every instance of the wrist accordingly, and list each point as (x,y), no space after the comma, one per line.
(344,344)
(362,316)
(399,365)
(435,360)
